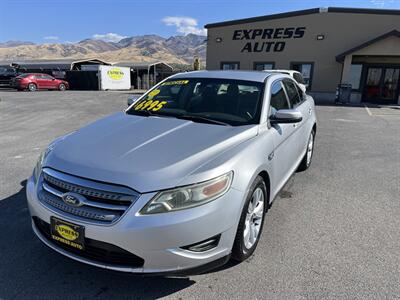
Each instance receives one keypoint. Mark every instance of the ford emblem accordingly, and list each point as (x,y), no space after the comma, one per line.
(73,199)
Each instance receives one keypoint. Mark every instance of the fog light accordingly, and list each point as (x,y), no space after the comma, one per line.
(204,245)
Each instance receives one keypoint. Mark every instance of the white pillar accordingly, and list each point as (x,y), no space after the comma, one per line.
(346,68)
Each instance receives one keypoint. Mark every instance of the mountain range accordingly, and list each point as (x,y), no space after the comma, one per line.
(175,49)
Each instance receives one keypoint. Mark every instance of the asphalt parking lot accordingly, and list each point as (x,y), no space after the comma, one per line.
(332,234)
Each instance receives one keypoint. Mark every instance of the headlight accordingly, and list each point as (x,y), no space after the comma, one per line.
(38,167)
(189,196)
(44,154)
(39,163)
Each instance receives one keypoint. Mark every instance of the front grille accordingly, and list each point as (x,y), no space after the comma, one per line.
(97,251)
(101,203)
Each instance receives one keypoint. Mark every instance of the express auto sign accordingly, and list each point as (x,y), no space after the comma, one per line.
(267,40)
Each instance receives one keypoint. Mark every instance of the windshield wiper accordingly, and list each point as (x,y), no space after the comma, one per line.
(148,113)
(202,119)
(144,113)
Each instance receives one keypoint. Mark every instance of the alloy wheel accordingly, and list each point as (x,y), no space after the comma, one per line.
(254,218)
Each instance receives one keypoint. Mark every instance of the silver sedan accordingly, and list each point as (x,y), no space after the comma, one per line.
(179,182)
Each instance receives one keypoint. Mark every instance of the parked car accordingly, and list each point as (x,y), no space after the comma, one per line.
(181,180)
(35,81)
(296,75)
(6,74)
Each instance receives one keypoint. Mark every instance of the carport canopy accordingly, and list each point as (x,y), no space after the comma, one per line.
(39,65)
(159,65)
(76,65)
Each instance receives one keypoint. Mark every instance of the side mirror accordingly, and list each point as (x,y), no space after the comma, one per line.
(132,99)
(286,116)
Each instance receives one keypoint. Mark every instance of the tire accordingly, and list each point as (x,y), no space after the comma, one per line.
(244,247)
(62,87)
(307,159)
(32,87)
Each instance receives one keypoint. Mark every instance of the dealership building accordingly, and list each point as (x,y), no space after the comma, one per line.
(329,46)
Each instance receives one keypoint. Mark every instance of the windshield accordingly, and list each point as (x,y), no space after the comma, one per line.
(210,100)
(6,71)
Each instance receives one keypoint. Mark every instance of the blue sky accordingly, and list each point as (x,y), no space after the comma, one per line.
(49,21)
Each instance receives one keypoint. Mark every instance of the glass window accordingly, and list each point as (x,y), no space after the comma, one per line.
(306,70)
(206,100)
(278,98)
(355,76)
(47,77)
(292,93)
(261,66)
(7,71)
(300,92)
(230,66)
(374,76)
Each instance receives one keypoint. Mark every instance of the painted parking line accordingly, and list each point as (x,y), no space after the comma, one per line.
(368,111)
(383,110)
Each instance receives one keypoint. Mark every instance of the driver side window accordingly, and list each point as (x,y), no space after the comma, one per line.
(278,98)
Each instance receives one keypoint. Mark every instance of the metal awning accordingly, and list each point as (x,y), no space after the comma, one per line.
(161,66)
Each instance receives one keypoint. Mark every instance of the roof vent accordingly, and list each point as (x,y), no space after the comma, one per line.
(323,9)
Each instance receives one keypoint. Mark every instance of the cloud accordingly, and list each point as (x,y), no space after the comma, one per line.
(184,25)
(381,3)
(109,37)
(51,37)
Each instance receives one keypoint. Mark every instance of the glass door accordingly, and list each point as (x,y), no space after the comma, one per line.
(382,84)
(390,84)
(372,84)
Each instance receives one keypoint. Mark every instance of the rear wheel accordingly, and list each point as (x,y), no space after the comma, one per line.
(306,162)
(62,87)
(32,87)
(251,221)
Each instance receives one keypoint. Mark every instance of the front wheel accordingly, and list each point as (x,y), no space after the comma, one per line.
(306,162)
(251,221)
(62,87)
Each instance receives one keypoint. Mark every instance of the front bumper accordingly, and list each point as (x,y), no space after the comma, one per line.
(157,239)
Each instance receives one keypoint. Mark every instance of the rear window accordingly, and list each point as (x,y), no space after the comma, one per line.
(24,75)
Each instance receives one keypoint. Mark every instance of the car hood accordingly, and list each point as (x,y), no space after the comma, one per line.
(144,153)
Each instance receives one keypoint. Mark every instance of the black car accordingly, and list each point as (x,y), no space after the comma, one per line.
(6,74)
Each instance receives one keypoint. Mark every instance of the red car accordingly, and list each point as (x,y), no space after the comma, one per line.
(35,81)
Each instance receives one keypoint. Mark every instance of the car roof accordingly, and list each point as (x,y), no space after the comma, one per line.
(258,76)
(30,74)
(282,71)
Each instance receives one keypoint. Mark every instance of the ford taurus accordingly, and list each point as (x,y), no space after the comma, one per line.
(180,181)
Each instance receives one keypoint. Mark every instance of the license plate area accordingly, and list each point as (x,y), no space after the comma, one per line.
(67,233)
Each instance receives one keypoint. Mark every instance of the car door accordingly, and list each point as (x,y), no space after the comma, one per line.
(298,100)
(284,138)
(49,81)
(38,80)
